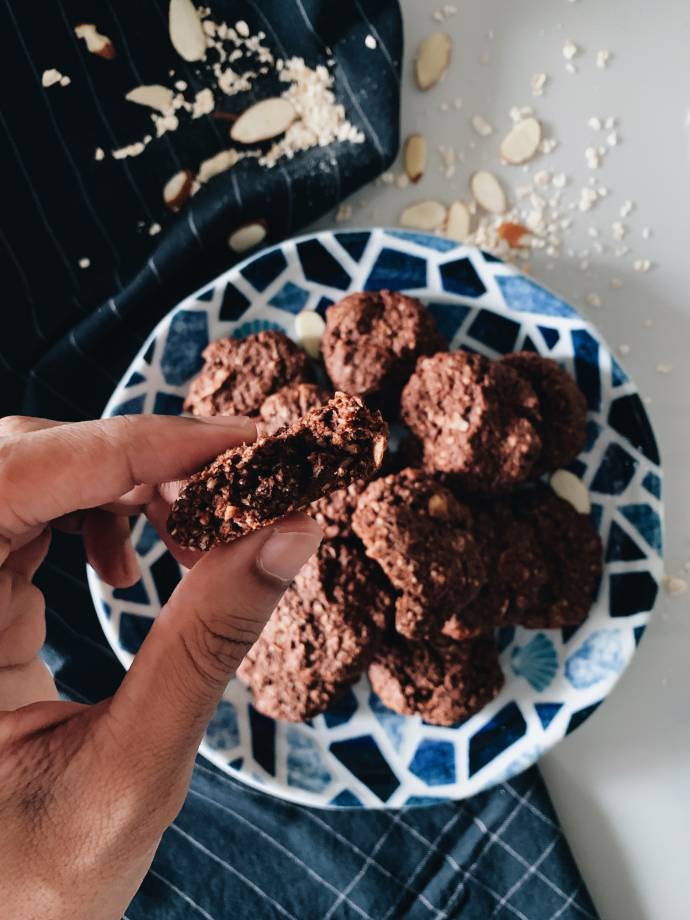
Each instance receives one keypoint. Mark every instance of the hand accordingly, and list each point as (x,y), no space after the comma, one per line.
(87,791)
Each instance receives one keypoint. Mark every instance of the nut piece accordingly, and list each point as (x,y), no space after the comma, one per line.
(488,192)
(248,236)
(424,215)
(458,222)
(514,234)
(264,120)
(415,156)
(152,95)
(309,326)
(522,141)
(186,31)
(572,490)
(178,189)
(438,506)
(95,42)
(433,58)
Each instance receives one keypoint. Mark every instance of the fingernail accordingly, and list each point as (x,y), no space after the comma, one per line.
(284,553)
(240,422)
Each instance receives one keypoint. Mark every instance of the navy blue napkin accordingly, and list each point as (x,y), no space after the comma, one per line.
(69,333)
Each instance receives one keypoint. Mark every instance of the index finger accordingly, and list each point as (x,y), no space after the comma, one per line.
(48,473)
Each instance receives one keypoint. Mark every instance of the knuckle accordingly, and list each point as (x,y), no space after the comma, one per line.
(217,645)
(15,424)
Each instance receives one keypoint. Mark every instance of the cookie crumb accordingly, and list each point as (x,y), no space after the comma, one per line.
(674,586)
(371,42)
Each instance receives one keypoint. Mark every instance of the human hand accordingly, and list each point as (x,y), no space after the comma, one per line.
(87,791)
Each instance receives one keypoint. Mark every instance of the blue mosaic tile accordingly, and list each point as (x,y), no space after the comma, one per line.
(567,632)
(263,270)
(547,712)
(587,372)
(166,576)
(341,710)
(320,266)
(615,472)
(167,404)
(354,244)
(525,296)
(392,723)
(578,467)
(362,757)
(135,594)
(399,268)
(504,729)
(290,297)
(592,432)
(579,717)
(305,767)
(460,277)
(631,592)
(223,732)
(652,483)
(438,243)
(434,762)
(236,764)
(423,800)
(206,294)
(133,406)
(134,379)
(495,331)
(537,661)
(504,637)
(148,538)
(133,630)
(187,338)
(595,514)
(449,317)
(263,732)
(618,375)
(346,799)
(490,257)
(598,658)
(528,345)
(107,610)
(233,305)
(551,336)
(646,521)
(148,354)
(638,632)
(621,547)
(323,305)
(255,325)
(628,418)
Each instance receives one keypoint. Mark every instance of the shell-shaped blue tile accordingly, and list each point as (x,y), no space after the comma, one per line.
(537,661)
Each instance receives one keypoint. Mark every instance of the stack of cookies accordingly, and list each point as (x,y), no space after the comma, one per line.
(428,549)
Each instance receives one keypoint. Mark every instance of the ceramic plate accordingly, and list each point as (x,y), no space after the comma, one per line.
(359,754)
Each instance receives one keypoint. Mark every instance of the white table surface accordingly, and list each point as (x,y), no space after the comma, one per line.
(621,783)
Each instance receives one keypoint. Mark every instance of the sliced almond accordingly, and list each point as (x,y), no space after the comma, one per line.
(415,157)
(248,236)
(310,327)
(178,189)
(458,222)
(264,120)
(217,164)
(424,215)
(95,42)
(433,58)
(522,141)
(152,95)
(186,31)
(488,192)
(572,490)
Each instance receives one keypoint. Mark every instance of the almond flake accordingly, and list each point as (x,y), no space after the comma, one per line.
(247,237)
(310,327)
(242,28)
(84,263)
(572,490)
(218,164)
(204,103)
(433,58)
(488,192)
(95,42)
(186,31)
(522,141)
(263,120)
(626,208)
(52,77)
(370,42)
(674,585)
(153,96)
(537,84)
(603,58)
(593,300)
(612,139)
(570,50)
(178,189)
(458,222)
(664,368)
(424,215)
(624,350)
(481,126)
(154,229)
(99,153)
(594,123)
(343,213)
(415,156)
(642,265)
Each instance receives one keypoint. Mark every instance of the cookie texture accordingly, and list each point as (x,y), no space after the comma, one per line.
(253,485)
(443,682)
(419,534)
(478,420)
(238,374)
(334,512)
(572,554)
(288,405)
(562,405)
(321,636)
(372,341)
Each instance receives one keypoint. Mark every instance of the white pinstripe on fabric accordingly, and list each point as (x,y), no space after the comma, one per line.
(25,284)
(178,891)
(523,878)
(380,44)
(566,904)
(82,638)
(193,227)
(98,365)
(531,806)
(81,410)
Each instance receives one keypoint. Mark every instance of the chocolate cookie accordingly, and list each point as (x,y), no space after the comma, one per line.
(443,682)
(288,405)
(562,405)
(419,534)
(334,512)
(321,636)
(372,341)
(478,420)
(253,485)
(239,374)
(572,554)
(516,571)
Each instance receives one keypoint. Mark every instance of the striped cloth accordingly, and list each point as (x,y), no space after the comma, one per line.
(70,332)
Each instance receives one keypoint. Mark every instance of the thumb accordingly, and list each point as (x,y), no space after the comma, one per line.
(200,637)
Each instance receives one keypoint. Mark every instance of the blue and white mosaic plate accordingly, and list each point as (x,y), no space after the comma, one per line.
(359,754)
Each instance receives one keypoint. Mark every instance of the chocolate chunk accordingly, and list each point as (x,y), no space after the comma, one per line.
(478,420)
(372,341)
(250,486)
(322,634)
(443,681)
(239,374)
(562,405)
(288,405)
(419,534)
